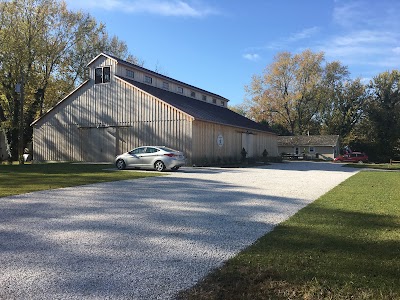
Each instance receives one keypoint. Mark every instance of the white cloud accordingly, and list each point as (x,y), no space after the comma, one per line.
(157,7)
(251,56)
(396,50)
(304,34)
(357,14)
(286,42)
(363,47)
(346,13)
(366,37)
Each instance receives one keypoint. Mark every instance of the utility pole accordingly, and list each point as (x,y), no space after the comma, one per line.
(20,89)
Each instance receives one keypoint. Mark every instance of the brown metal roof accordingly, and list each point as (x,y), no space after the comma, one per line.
(199,110)
(128,64)
(308,140)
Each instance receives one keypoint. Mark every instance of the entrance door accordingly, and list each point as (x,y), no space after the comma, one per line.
(98,144)
(248,143)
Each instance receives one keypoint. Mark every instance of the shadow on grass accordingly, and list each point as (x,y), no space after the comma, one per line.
(134,239)
(334,254)
(19,179)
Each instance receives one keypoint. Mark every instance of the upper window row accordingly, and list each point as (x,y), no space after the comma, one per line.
(130,73)
(102,75)
(179,89)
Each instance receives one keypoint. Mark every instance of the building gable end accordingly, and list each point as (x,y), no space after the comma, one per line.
(40,119)
(100,55)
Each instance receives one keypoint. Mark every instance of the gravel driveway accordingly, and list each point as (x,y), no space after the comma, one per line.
(146,238)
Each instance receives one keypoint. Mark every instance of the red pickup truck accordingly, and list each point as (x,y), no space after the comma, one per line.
(356,157)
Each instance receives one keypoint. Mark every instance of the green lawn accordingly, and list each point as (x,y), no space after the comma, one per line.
(395,166)
(18,179)
(345,245)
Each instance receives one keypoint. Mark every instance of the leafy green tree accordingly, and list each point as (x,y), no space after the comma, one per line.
(241,109)
(383,115)
(298,94)
(343,101)
(44,49)
(287,93)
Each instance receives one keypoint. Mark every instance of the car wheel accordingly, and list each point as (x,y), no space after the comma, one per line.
(175,168)
(159,166)
(120,164)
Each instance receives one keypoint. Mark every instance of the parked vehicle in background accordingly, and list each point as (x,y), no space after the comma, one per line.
(151,157)
(355,157)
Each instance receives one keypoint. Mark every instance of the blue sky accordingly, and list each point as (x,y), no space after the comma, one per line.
(219,45)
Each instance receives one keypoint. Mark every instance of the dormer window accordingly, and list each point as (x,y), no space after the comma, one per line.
(214,101)
(102,75)
(166,85)
(179,90)
(148,79)
(222,103)
(130,73)
(204,98)
(192,94)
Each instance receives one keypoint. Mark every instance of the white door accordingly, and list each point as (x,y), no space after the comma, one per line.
(248,143)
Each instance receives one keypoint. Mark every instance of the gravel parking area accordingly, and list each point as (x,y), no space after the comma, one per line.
(147,238)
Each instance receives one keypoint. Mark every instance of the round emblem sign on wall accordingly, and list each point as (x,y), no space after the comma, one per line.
(220,140)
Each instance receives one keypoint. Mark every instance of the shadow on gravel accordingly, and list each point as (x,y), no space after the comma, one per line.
(310,166)
(285,165)
(140,239)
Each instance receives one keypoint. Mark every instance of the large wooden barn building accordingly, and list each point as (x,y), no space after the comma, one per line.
(122,106)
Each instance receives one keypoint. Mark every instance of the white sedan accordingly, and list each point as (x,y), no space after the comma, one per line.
(151,157)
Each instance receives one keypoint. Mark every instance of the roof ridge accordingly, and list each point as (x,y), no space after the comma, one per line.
(119,60)
(198,109)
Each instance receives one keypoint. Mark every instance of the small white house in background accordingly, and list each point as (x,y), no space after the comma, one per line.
(122,106)
(324,147)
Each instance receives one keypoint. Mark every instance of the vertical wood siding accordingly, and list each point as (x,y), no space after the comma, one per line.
(206,148)
(99,121)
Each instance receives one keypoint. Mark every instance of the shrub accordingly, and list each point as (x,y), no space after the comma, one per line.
(243,154)
(265,155)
